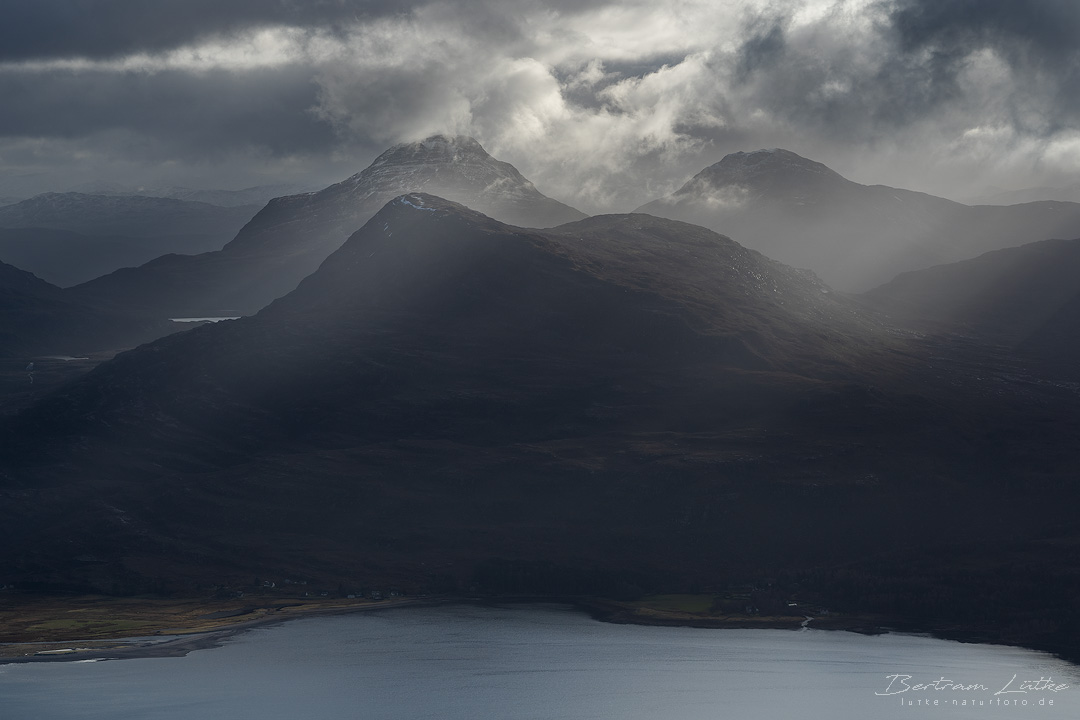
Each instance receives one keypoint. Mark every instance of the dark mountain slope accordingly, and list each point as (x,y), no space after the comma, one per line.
(450,402)
(37,318)
(854,236)
(1024,297)
(292,235)
(432,284)
(604,344)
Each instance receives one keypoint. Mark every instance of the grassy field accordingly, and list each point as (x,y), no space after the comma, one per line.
(698,604)
(92,618)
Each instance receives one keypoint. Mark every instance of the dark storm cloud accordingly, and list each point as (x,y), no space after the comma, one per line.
(195,115)
(1047,29)
(1040,40)
(37,29)
(606,105)
(42,29)
(921,50)
(764,45)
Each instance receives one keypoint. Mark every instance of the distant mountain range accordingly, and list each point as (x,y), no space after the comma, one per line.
(292,235)
(618,391)
(854,236)
(257,195)
(131,215)
(66,258)
(70,238)
(516,398)
(438,347)
(1066,193)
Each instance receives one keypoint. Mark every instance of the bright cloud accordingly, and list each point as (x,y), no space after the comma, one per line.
(606,105)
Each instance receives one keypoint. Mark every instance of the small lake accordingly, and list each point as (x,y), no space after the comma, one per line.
(479,663)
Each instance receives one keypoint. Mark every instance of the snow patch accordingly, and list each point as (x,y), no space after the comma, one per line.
(405,200)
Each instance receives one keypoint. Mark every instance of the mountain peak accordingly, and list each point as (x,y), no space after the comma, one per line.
(438,207)
(456,167)
(438,149)
(441,162)
(290,237)
(766,168)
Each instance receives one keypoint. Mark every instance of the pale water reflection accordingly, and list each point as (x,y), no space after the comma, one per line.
(543,662)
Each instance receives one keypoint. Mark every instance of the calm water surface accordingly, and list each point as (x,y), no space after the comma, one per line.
(540,662)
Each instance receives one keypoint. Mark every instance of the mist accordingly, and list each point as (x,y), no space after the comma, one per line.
(604,106)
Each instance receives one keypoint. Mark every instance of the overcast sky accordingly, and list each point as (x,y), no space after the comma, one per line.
(603,105)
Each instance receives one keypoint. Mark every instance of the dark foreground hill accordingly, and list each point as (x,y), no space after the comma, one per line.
(292,235)
(854,236)
(620,404)
(37,318)
(1026,298)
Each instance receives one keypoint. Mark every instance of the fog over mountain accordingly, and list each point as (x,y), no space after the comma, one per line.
(292,235)
(854,236)
(470,367)
(1026,297)
(258,195)
(1067,193)
(605,105)
(618,403)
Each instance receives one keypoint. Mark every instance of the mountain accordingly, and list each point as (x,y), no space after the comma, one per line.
(75,237)
(1066,193)
(292,235)
(38,318)
(1026,297)
(257,195)
(203,225)
(68,258)
(618,405)
(854,236)
(430,292)
(440,370)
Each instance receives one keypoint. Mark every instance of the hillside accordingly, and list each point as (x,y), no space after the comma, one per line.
(854,236)
(449,389)
(1024,297)
(292,235)
(37,318)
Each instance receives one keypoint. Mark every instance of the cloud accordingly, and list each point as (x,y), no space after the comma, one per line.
(188,116)
(41,29)
(1036,41)
(604,105)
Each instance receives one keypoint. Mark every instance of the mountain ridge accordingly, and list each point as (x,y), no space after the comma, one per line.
(292,235)
(854,236)
(123,214)
(434,324)
(37,317)
(1025,297)
(452,402)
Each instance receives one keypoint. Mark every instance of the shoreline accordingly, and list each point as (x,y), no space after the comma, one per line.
(179,640)
(175,642)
